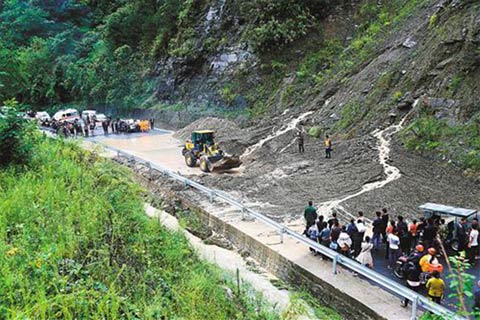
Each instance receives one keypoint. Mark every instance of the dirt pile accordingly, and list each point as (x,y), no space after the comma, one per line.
(228,134)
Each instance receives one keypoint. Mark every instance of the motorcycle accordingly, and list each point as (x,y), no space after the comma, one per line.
(401,266)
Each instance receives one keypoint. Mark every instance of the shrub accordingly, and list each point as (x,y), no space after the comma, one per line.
(397,96)
(16,137)
(432,22)
(315,132)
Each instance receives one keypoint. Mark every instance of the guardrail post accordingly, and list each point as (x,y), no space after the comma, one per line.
(149,166)
(212,195)
(282,231)
(414,308)
(335,261)
(243,214)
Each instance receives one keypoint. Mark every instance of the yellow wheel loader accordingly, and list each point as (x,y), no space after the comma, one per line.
(202,148)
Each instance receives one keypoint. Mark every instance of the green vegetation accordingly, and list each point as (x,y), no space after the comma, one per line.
(397,96)
(351,113)
(274,24)
(84,52)
(76,243)
(228,94)
(315,132)
(460,143)
(432,21)
(16,137)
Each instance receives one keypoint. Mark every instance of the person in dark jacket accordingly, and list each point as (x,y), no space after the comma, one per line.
(461,232)
(413,280)
(335,233)
(429,234)
(385,224)
(331,222)
(152,121)
(310,214)
(378,230)
(402,228)
(351,228)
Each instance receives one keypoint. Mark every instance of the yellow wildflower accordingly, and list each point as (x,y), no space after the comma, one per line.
(12,251)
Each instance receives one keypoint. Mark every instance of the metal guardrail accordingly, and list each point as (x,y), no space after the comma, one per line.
(379,279)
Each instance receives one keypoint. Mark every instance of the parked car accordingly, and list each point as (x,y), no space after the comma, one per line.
(90,113)
(128,126)
(451,215)
(42,116)
(101,117)
(68,114)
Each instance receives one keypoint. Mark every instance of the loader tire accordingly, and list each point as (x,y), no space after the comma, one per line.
(205,164)
(190,160)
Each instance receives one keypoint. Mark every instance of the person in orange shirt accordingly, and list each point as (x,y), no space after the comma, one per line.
(412,230)
(428,259)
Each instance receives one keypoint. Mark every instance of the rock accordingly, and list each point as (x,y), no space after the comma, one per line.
(441,103)
(168,208)
(218,241)
(334,116)
(409,43)
(229,293)
(200,232)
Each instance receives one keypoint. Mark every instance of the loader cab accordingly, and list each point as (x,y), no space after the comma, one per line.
(200,140)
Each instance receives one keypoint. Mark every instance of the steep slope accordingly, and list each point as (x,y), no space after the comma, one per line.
(368,60)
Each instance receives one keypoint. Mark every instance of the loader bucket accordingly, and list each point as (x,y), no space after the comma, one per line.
(226,163)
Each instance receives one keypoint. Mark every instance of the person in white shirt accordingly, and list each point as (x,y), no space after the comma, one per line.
(365,256)
(344,242)
(472,247)
(393,248)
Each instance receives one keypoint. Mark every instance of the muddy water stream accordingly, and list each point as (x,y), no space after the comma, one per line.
(390,172)
(290,126)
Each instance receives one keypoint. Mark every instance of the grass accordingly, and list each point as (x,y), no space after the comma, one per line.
(351,113)
(77,244)
(460,143)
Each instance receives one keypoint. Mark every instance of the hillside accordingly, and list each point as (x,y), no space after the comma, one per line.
(181,60)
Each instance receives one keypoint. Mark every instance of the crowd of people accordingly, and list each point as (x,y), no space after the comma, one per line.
(78,127)
(412,249)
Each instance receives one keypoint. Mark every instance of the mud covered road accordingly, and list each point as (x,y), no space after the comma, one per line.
(364,174)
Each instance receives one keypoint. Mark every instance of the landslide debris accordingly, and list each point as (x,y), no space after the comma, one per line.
(228,134)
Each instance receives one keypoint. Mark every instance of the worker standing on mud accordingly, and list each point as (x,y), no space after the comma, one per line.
(151,123)
(301,140)
(310,214)
(328,147)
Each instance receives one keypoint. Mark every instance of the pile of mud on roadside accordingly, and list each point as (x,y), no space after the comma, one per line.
(228,134)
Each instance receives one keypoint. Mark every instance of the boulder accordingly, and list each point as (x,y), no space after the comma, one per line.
(409,43)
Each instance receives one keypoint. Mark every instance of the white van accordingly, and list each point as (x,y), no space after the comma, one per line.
(89,113)
(68,114)
(42,116)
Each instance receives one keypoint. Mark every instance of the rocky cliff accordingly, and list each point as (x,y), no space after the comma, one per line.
(356,64)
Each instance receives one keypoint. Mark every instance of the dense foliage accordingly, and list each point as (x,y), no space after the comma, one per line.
(104,52)
(17,137)
(76,243)
(90,52)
